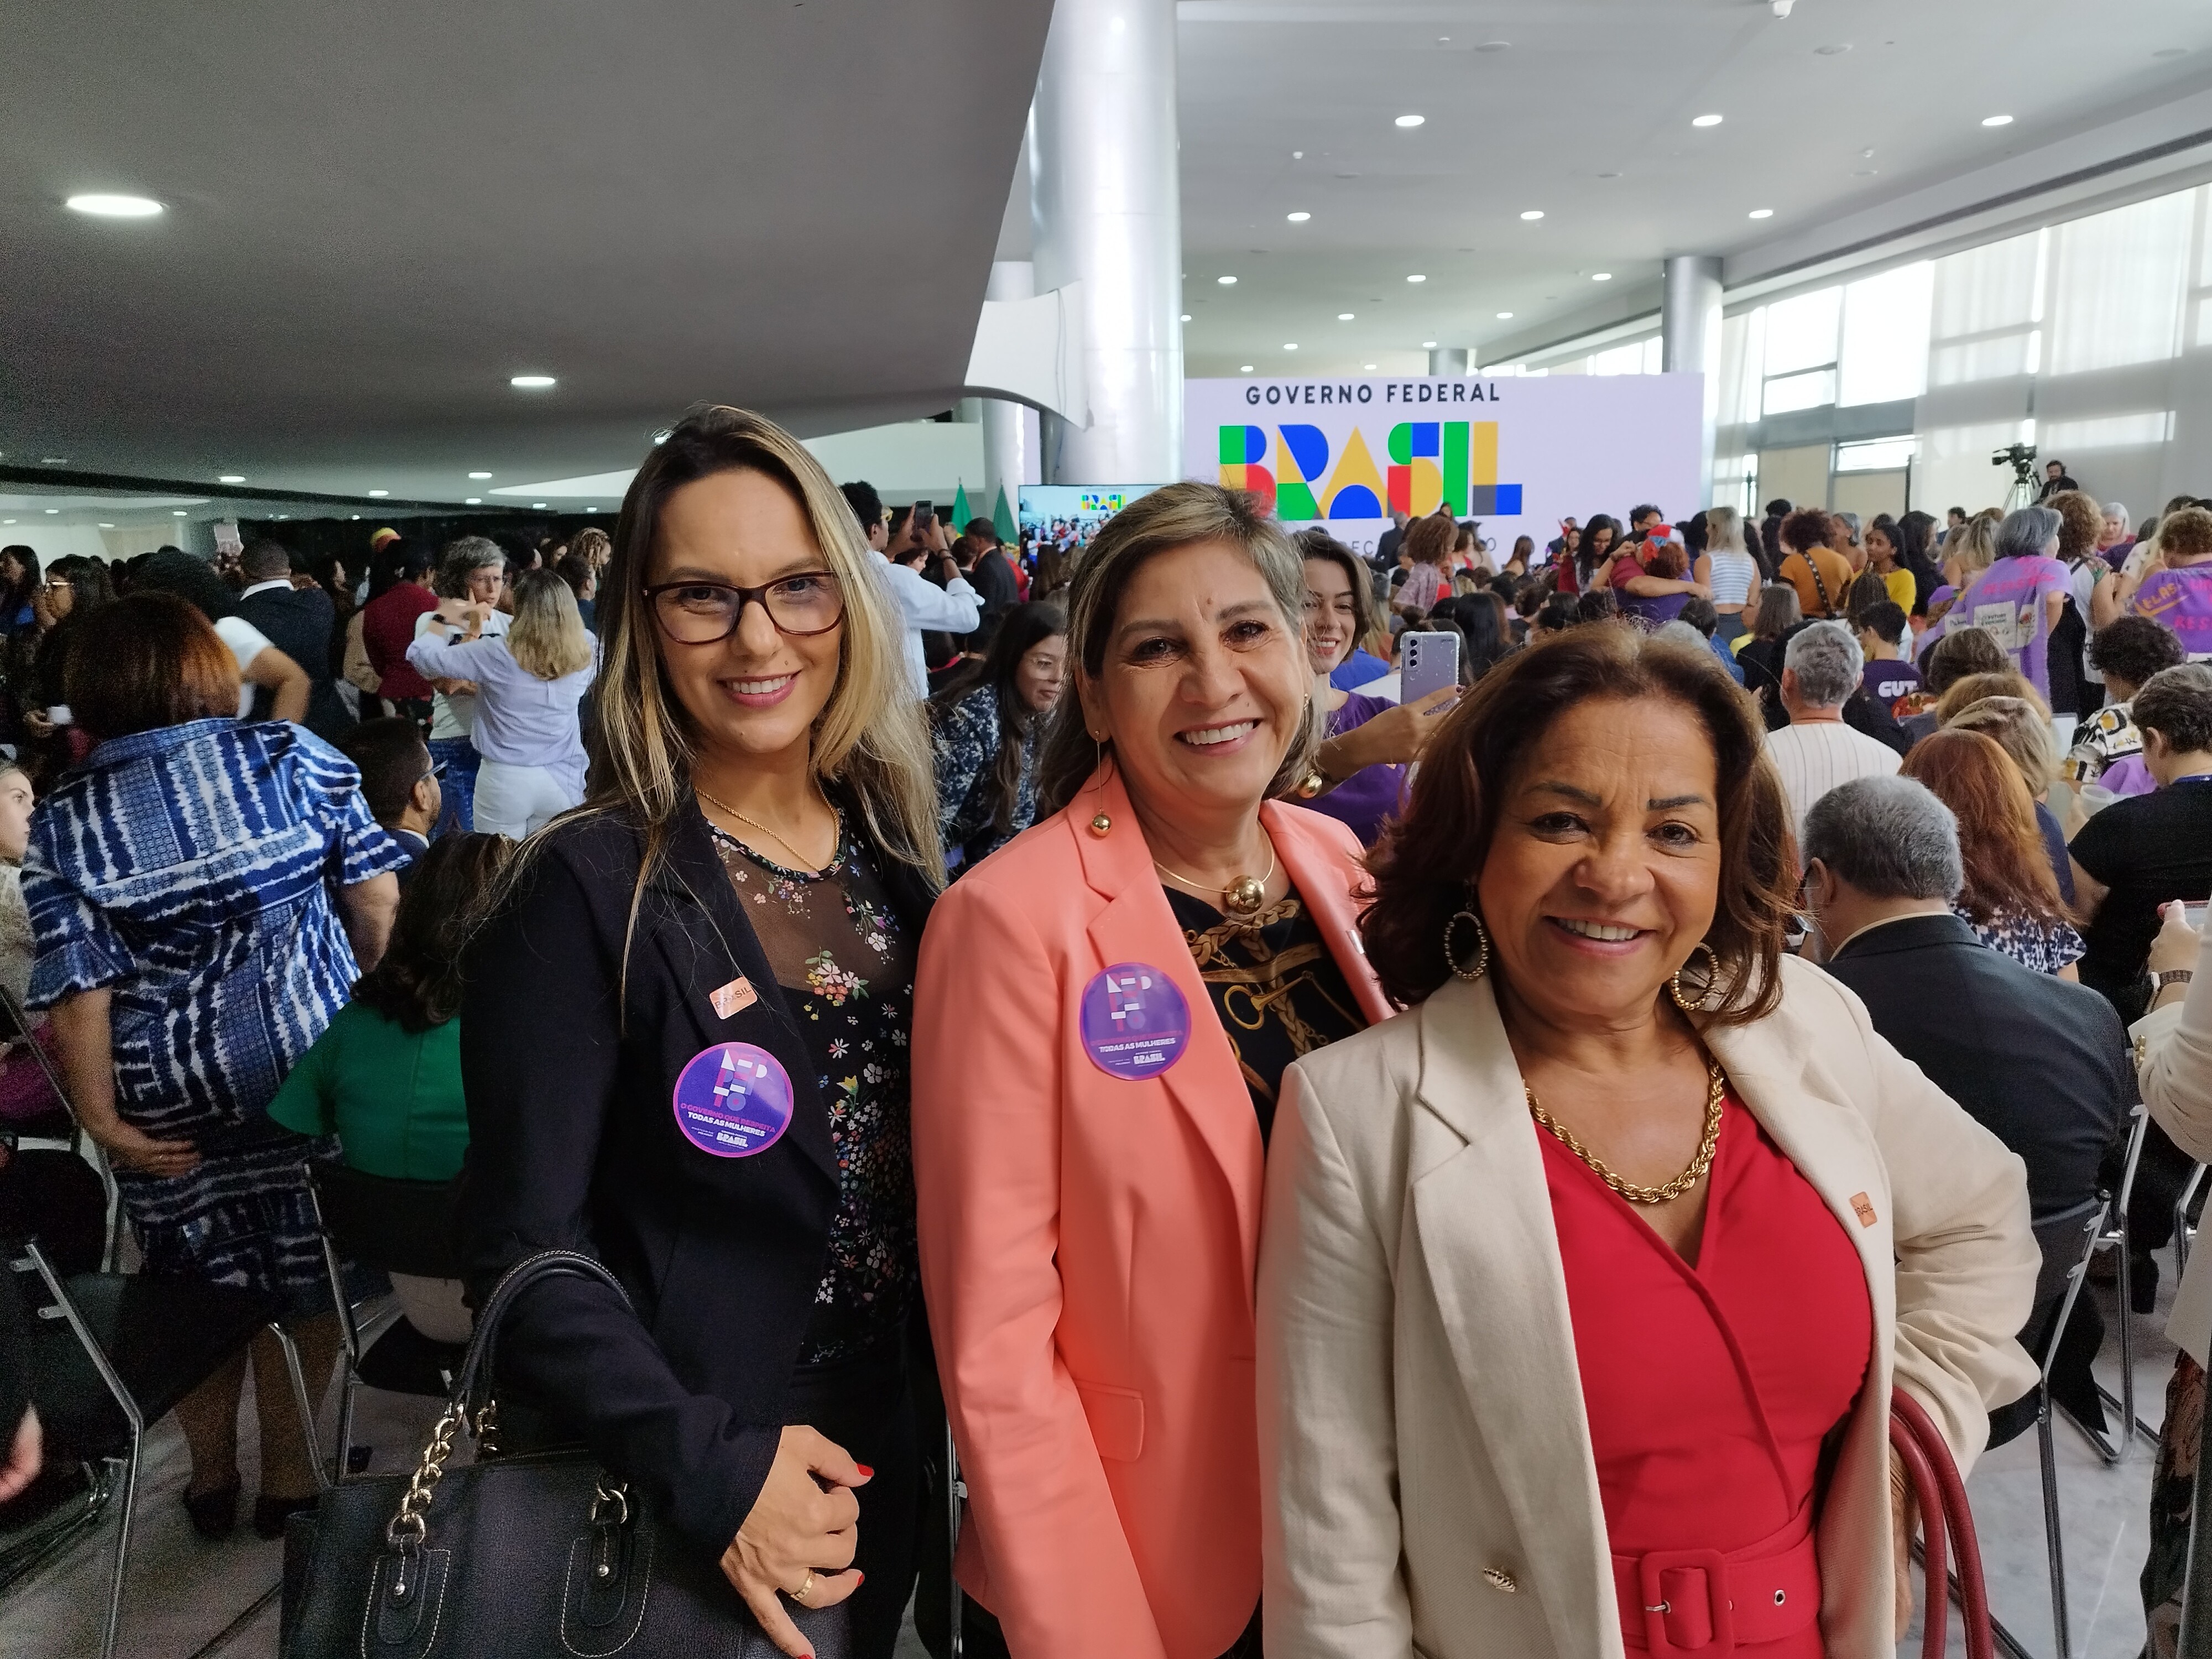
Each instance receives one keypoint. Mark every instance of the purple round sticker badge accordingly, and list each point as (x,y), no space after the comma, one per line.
(1135,1023)
(733,1100)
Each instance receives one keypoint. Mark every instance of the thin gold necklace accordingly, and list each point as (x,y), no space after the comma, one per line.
(1242,897)
(1716,1085)
(713,800)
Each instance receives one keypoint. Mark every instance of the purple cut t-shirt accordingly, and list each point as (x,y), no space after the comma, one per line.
(2008,603)
(1371,794)
(1887,681)
(2182,599)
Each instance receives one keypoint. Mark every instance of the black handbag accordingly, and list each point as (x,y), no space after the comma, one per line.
(538,1553)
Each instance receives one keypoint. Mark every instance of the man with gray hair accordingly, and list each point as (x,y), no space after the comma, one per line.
(2041,1063)
(1821,668)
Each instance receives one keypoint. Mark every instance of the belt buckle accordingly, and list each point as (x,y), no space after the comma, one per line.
(1660,1607)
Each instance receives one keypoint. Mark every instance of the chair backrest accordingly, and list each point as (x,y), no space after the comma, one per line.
(2065,1238)
(399,1226)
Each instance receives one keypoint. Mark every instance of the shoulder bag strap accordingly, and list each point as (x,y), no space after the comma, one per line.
(472,1383)
(1828,605)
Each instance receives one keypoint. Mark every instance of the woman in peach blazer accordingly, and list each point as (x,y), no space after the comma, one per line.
(1089,1192)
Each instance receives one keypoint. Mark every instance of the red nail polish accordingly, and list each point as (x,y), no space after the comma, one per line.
(866,1473)
(858,1579)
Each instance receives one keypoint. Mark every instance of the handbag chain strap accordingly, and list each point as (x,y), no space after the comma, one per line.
(407,1529)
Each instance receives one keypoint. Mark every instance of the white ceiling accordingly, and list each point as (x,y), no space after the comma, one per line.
(1581,109)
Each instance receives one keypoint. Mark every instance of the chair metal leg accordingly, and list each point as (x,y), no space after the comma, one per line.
(342,1464)
(955,1490)
(299,1402)
(2181,1221)
(123,1545)
(2048,1456)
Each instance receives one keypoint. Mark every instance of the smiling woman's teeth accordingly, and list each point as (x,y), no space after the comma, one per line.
(760,688)
(1213,735)
(1597,930)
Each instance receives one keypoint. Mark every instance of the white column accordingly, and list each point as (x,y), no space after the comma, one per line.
(1106,212)
(1690,344)
(1448,360)
(1011,279)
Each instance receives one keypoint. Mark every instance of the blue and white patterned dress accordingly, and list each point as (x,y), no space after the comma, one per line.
(191,872)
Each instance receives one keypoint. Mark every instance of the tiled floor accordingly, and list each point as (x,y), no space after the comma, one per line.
(189,1598)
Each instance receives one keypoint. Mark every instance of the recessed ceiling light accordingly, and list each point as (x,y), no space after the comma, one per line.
(590,509)
(1411,120)
(1343,316)
(53,461)
(1762,213)
(1495,46)
(1864,173)
(537,506)
(1291,345)
(1996,120)
(357,517)
(473,501)
(479,475)
(1368,366)
(1444,40)
(529,382)
(1705,120)
(281,515)
(1533,214)
(232,477)
(1416,277)
(1227,282)
(1600,276)
(1186,316)
(56,509)
(1836,49)
(1504,316)
(179,513)
(1246,369)
(7,521)
(380,493)
(1297,218)
(114,207)
(1428,345)
(107,526)
(1298,156)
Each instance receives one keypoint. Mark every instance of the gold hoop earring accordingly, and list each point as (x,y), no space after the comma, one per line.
(1482,941)
(1712,978)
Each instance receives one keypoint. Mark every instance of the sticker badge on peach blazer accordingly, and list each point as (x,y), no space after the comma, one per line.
(733,1100)
(1133,1020)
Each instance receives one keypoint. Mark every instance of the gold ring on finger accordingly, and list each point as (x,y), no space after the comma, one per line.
(804,1588)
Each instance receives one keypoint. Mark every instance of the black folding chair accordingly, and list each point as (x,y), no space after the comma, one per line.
(394,1227)
(2067,1239)
(2115,1237)
(114,1352)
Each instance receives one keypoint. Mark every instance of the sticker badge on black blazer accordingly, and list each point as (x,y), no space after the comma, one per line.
(733,1100)
(1134,1021)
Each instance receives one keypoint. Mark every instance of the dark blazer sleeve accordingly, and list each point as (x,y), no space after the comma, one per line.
(541,1047)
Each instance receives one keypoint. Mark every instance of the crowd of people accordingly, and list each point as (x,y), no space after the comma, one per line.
(1074,994)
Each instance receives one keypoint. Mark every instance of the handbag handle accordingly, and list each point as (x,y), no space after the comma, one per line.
(409,1525)
(1941,1495)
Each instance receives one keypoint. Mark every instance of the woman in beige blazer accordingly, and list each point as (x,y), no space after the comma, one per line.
(1523,1389)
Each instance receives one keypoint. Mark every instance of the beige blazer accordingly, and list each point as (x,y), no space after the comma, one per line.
(1428,1483)
(2173,1064)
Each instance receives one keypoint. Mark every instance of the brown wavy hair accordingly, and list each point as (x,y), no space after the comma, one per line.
(2007,870)
(417,984)
(1426,864)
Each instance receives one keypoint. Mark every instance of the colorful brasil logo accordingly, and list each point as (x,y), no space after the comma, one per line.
(1431,462)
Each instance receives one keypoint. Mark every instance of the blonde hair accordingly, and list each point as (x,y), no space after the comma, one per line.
(1974,545)
(547,637)
(1724,531)
(1176,516)
(2020,727)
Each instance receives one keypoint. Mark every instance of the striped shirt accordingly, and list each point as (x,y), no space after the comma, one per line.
(1733,576)
(1813,756)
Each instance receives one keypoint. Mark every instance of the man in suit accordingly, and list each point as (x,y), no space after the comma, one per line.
(992,576)
(2041,1063)
(399,781)
(298,621)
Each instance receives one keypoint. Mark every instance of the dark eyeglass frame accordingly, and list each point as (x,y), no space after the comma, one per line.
(746,596)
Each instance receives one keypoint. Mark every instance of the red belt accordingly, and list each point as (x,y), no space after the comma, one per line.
(1676,1603)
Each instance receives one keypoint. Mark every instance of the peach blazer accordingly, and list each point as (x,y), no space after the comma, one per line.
(1089,1243)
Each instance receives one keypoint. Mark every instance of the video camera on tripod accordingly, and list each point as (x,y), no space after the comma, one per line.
(2021,458)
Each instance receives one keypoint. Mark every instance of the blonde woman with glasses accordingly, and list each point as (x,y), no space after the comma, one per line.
(528,684)
(684,1042)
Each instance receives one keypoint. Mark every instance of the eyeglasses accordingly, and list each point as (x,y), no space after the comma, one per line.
(437,770)
(703,613)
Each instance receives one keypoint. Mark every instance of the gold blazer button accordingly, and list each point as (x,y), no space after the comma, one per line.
(1498,1579)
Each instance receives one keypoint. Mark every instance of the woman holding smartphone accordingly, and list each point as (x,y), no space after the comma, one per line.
(684,1038)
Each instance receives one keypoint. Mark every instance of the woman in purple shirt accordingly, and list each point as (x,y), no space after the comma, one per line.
(2019,601)
(1360,771)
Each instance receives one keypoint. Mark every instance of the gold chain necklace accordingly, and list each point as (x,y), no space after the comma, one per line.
(725,806)
(1716,1085)
(1242,897)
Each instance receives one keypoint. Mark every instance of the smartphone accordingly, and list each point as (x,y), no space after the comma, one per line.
(2194,915)
(923,513)
(1427,663)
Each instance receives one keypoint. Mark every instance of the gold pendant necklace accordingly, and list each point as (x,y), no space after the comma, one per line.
(1716,1085)
(756,823)
(1242,897)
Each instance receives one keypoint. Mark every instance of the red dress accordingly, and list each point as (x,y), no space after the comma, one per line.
(1709,1390)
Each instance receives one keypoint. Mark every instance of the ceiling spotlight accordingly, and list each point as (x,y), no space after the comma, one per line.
(232,477)
(1411,120)
(590,509)
(1533,214)
(529,382)
(1227,282)
(53,461)
(1417,278)
(473,501)
(179,513)
(1495,46)
(1298,156)
(1343,316)
(1600,276)
(1705,120)
(357,517)
(537,506)
(107,526)
(1186,316)
(1504,316)
(57,509)
(1444,40)
(1836,50)
(1996,120)
(1297,218)
(378,493)
(1762,213)
(1291,346)
(1369,367)
(114,207)
(479,475)
(1246,369)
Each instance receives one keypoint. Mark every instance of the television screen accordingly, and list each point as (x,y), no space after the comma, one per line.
(1068,515)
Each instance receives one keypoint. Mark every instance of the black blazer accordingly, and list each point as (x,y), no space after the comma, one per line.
(574,1142)
(2041,1064)
(298,621)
